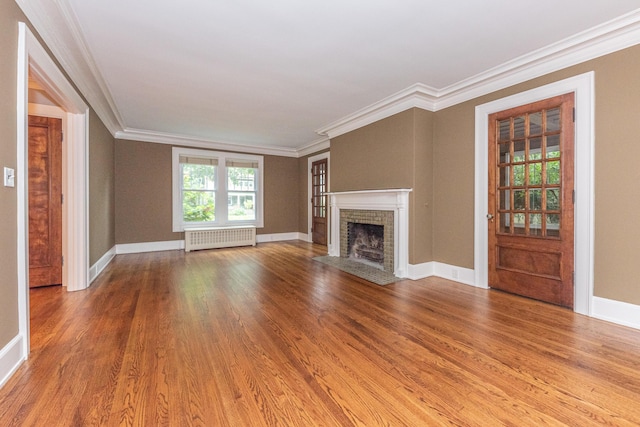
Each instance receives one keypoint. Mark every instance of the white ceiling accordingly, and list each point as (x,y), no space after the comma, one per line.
(271,74)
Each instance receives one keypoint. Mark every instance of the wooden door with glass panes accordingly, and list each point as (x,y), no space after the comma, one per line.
(319,176)
(531,192)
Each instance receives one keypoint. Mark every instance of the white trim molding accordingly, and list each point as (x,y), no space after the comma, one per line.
(396,200)
(454,273)
(11,357)
(583,87)
(618,312)
(137,248)
(101,264)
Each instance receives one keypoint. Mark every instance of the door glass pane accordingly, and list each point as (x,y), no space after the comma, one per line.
(535,123)
(505,222)
(535,224)
(535,149)
(505,200)
(518,175)
(519,200)
(518,127)
(504,176)
(518,151)
(553,172)
(553,147)
(518,223)
(535,200)
(553,199)
(504,131)
(504,153)
(535,173)
(553,120)
(553,225)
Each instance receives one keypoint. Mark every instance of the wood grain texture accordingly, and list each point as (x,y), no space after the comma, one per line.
(266,336)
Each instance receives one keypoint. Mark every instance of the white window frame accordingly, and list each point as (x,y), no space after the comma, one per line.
(221,192)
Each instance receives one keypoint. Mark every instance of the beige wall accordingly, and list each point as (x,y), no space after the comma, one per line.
(102,222)
(395,152)
(143,194)
(9,17)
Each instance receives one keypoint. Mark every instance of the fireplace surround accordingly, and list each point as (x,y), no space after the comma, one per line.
(379,207)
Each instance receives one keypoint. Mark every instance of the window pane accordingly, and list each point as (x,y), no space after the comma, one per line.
(505,222)
(198,177)
(241,206)
(553,225)
(518,223)
(198,206)
(241,179)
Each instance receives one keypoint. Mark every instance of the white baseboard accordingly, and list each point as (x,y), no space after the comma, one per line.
(445,271)
(136,248)
(96,269)
(618,312)
(280,237)
(11,357)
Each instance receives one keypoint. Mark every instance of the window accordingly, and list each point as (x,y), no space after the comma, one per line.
(203,180)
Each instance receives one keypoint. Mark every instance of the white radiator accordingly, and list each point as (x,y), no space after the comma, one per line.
(218,237)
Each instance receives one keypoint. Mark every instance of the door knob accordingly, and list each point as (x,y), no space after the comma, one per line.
(490,217)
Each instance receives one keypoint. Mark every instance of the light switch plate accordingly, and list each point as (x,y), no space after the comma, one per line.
(9,177)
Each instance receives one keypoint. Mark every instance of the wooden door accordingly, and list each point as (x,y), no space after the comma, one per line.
(531,191)
(319,179)
(45,201)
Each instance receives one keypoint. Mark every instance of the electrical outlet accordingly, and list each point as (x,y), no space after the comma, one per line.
(9,177)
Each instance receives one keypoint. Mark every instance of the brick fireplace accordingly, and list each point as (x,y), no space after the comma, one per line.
(385,208)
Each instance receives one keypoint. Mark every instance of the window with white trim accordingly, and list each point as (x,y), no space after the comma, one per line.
(216,189)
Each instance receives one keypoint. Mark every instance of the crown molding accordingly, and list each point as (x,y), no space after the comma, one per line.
(612,36)
(314,147)
(418,95)
(69,48)
(186,141)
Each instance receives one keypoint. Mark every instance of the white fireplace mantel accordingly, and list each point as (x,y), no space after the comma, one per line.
(396,200)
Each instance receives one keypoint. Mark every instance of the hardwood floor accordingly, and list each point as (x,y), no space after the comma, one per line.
(266,336)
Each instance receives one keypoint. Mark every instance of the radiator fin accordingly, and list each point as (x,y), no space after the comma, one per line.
(218,237)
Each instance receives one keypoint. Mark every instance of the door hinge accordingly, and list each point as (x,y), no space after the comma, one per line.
(62,199)
(574,115)
(62,260)
(573,278)
(573,196)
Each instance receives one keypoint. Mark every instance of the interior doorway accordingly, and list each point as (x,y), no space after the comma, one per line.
(583,86)
(319,210)
(34,61)
(531,210)
(45,201)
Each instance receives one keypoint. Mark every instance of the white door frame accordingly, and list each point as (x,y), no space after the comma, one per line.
(33,58)
(310,161)
(584,89)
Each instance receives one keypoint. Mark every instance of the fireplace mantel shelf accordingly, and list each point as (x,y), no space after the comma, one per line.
(396,200)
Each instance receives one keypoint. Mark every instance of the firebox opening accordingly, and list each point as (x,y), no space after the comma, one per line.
(366,243)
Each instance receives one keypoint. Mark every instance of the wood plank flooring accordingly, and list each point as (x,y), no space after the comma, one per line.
(266,336)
